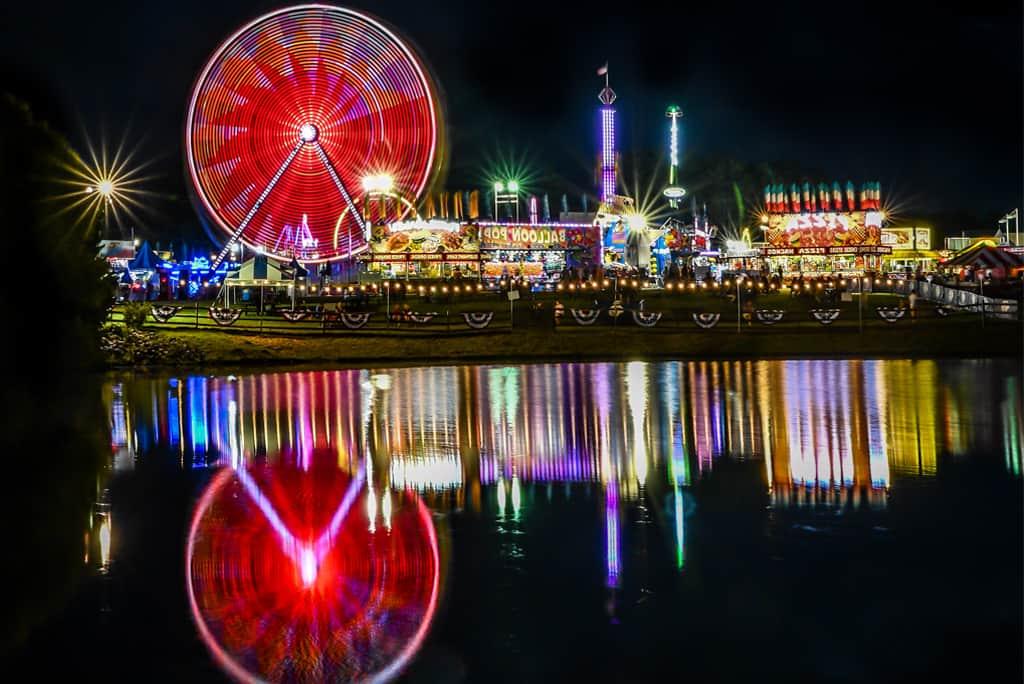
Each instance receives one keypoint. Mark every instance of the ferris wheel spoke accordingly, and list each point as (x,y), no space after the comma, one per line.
(257,204)
(340,185)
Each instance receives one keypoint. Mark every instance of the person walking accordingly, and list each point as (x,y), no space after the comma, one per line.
(912,304)
(559,310)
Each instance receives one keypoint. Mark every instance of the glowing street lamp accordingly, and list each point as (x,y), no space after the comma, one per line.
(376,186)
(107,181)
(379,184)
(506,193)
(106,193)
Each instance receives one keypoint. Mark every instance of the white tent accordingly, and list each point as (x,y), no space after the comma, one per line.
(256,272)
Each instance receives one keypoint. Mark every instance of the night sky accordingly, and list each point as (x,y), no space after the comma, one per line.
(925,100)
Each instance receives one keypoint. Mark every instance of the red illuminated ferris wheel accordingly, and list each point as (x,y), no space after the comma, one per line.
(290,117)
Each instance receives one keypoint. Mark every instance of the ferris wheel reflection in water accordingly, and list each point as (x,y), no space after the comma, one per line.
(288,576)
(824,433)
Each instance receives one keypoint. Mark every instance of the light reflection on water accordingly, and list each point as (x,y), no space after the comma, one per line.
(638,438)
(827,432)
(818,424)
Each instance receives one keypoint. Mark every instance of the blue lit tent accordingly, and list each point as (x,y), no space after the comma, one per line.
(145,259)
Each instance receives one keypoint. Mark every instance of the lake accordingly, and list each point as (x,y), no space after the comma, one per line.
(824,520)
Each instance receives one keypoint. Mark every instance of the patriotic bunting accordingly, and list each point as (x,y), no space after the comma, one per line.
(426,317)
(294,316)
(825,316)
(478,320)
(224,317)
(585,316)
(646,319)
(706,320)
(769,316)
(164,313)
(354,321)
(890,314)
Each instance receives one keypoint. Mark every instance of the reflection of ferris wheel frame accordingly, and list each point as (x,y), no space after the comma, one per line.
(293,110)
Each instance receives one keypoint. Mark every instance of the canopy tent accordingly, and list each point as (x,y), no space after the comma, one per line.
(145,259)
(256,272)
(985,256)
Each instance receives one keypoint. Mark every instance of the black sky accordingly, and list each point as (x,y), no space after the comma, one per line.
(925,98)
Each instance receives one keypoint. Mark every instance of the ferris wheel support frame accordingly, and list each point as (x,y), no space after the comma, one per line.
(307,136)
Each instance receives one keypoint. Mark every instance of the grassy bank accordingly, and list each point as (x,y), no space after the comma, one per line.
(191,335)
(935,338)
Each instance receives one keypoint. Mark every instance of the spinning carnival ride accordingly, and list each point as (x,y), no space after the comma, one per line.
(292,114)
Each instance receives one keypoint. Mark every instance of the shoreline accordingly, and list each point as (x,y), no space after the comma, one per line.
(224,350)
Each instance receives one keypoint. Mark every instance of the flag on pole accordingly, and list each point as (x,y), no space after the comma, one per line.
(603,70)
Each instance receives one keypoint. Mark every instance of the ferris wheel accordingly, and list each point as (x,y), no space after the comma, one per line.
(293,114)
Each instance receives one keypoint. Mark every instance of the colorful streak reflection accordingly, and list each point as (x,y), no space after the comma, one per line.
(448,431)
(287,581)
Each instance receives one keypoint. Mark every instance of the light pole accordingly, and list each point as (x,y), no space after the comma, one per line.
(105,189)
(377,187)
(1015,215)
(739,310)
(860,305)
(506,193)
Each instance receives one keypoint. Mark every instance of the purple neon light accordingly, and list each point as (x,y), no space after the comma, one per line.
(607,154)
(612,529)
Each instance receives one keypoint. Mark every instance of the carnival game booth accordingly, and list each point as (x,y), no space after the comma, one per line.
(823,231)
(537,252)
(424,250)
(985,259)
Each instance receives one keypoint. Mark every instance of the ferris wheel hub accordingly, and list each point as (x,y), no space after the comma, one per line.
(308,132)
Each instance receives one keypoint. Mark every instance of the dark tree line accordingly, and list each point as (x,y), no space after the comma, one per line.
(52,303)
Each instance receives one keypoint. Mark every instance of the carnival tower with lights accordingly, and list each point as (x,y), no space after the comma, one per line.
(607,98)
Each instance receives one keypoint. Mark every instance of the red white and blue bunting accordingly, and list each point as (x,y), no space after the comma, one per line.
(294,316)
(646,319)
(769,316)
(426,317)
(585,316)
(478,320)
(224,317)
(944,310)
(825,316)
(164,312)
(707,320)
(354,321)
(890,314)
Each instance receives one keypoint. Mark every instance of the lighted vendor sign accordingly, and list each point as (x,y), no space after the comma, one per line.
(516,269)
(907,238)
(823,233)
(535,237)
(427,240)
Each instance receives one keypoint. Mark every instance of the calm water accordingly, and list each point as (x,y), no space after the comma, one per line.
(775,520)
